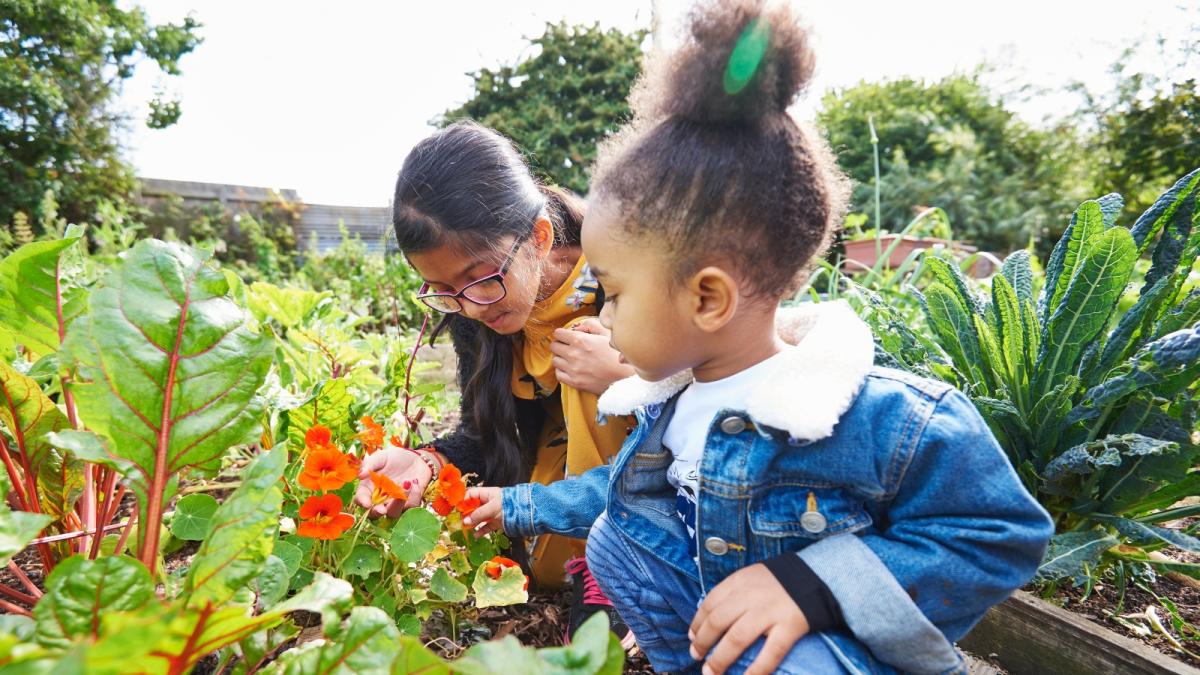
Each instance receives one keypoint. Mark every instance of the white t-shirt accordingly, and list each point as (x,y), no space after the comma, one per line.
(687,431)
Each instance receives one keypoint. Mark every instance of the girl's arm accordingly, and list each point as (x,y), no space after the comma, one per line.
(567,507)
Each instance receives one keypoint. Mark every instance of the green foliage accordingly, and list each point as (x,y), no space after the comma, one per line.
(257,240)
(166,372)
(62,65)
(242,534)
(560,103)
(193,517)
(415,535)
(952,144)
(379,286)
(1095,408)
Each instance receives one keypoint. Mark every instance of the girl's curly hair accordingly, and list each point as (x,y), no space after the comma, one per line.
(713,164)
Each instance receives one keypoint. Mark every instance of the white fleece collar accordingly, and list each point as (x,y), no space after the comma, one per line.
(816,382)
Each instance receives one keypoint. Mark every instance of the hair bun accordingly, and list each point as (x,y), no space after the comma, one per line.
(741,62)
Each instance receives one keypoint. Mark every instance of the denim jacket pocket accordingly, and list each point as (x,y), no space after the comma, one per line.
(805,512)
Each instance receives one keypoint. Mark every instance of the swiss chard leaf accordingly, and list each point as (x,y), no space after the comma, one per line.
(241,535)
(166,371)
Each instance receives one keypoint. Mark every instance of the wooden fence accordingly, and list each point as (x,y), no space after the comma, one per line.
(319,222)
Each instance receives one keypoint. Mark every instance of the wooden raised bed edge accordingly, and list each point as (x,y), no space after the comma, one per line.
(1027,635)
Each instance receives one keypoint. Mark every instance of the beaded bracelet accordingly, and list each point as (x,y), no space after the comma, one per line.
(435,466)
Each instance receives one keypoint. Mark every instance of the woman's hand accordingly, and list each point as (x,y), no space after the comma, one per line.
(584,359)
(401,466)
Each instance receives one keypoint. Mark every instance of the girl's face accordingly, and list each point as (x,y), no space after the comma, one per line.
(448,268)
(650,320)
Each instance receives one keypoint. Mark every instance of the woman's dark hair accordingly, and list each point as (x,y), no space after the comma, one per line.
(713,165)
(467,186)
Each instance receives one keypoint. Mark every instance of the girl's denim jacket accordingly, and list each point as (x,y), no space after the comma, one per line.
(920,522)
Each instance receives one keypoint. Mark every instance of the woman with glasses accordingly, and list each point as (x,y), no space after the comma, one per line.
(501,259)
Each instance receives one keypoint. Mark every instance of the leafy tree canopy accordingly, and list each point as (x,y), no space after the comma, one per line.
(560,102)
(62,64)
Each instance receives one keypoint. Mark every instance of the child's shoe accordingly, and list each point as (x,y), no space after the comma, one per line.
(587,599)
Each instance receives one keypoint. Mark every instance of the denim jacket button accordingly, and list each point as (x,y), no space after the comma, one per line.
(733,425)
(716,546)
(813,522)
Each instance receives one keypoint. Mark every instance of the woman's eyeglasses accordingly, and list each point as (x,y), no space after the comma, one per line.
(486,291)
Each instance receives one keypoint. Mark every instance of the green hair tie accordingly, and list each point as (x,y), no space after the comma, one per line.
(747,56)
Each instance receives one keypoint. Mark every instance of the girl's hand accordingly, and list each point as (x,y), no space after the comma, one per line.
(748,604)
(490,515)
(584,359)
(401,466)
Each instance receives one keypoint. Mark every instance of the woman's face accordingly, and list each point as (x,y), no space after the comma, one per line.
(448,268)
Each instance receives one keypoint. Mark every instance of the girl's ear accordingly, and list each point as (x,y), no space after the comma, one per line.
(543,236)
(714,298)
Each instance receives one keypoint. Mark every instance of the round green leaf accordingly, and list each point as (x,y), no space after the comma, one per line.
(290,554)
(272,584)
(509,589)
(193,515)
(415,535)
(363,560)
(409,624)
(447,587)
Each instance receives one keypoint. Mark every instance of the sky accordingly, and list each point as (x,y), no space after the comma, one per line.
(327,98)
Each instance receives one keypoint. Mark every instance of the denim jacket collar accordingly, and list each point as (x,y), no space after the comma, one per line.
(817,381)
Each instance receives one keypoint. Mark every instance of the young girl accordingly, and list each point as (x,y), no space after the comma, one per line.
(783,505)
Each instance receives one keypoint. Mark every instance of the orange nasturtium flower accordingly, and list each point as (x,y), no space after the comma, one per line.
(468,505)
(371,435)
(450,489)
(495,567)
(321,517)
(384,488)
(318,436)
(395,440)
(326,468)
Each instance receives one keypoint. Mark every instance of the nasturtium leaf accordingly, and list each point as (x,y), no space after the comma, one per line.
(272,583)
(193,515)
(363,560)
(509,589)
(242,535)
(481,550)
(415,534)
(409,624)
(447,587)
(290,554)
(366,643)
(302,578)
(166,369)
(81,592)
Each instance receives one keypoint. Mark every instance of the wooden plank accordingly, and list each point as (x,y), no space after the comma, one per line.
(1027,635)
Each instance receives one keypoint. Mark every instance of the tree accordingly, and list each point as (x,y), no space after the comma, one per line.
(558,104)
(951,144)
(62,65)
(1147,128)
